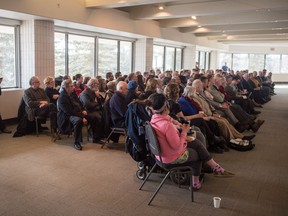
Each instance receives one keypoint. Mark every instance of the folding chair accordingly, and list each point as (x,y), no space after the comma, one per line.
(114,130)
(156,151)
(38,120)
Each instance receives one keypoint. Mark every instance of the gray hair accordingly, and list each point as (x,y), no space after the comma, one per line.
(196,83)
(120,85)
(189,91)
(91,82)
(65,83)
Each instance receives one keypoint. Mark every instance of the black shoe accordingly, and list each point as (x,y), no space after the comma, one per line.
(215,149)
(260,122)
(254,112)
(241,127)
(223,146)
(6,131)
(78,146)
(248,137)
(252,117)
(99,142)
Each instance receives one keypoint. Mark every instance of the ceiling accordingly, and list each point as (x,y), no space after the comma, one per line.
(226,21)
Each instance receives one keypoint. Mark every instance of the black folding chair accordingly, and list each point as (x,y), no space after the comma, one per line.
(156,151)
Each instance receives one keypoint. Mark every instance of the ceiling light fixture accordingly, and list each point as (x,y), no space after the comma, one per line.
(199,26)
(161,7)
(194,17)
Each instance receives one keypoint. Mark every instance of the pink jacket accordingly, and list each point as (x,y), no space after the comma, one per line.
(171,142)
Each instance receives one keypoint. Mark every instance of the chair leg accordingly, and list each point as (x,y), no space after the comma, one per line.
(191,188)
(159,187)
(37,129)
(107,139)
(148,176)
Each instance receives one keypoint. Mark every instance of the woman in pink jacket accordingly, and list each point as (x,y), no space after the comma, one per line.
(175,150)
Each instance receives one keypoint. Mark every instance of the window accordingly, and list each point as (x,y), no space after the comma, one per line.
(158,57)
(107,56)
(178,63)
(240,62)
(125,57)
(8,59)
(169,58)
(256,62)
(225,57)
(201,60)
(60,47)
(284,65)
(272,63)
(81,51)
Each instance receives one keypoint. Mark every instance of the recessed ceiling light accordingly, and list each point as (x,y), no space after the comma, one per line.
(194,17)
(161,7)
(199,26)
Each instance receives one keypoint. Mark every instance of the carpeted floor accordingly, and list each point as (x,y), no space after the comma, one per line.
(39,177)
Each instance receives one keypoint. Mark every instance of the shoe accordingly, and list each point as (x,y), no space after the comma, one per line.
(260,122)
(252,117)
(78,146)
(215,149)
(248,137)
(219,139)
(197,186)
(223,146)
(99,142)
(241,127)
(254,112)
(220,172)
(6,131)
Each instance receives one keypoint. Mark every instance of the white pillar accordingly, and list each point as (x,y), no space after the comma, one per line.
(214,61)
(37,50)
(144,54)
(189,57)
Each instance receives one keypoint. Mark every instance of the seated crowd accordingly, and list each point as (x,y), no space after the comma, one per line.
(221,105)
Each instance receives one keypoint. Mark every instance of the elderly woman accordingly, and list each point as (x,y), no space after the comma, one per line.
(175,150)
(50,90)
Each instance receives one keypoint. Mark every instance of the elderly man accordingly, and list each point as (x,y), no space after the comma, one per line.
(92,102)
(37,103)
(118,105)
(70,113)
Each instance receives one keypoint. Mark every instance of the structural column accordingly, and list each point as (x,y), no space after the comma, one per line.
(144,54)
(37,50)
(189,57)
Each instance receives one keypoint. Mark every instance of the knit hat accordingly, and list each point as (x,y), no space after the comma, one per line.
(132,84)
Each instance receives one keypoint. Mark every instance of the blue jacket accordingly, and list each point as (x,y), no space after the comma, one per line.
(187,107)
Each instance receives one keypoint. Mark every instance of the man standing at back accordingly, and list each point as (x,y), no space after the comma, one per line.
(225,67)
(37,103)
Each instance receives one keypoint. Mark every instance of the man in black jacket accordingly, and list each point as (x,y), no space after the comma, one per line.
(70,113)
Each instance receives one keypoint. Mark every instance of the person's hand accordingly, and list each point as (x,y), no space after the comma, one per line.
(201,114)
(55,96)
(225,105)
(84,112)
(84,120)
(207,118)
(42,103)
(185,127)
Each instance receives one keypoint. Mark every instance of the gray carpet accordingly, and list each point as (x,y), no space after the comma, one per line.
(39,177)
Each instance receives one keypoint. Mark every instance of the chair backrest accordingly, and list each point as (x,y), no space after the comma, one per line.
(152,140)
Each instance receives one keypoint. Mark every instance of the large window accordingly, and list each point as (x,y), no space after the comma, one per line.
(225,58)
(167,58)
(78,54)
(125,57)
(158,57)
(284,64)
(256,62)
(60,47)
(107,56)
(178,62)
(8,56)
(272,63)
(81,55)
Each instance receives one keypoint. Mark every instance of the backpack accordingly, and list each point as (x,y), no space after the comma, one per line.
(135,117)
(241,145)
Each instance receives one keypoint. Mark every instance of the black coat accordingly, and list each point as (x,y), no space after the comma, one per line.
(67,107)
